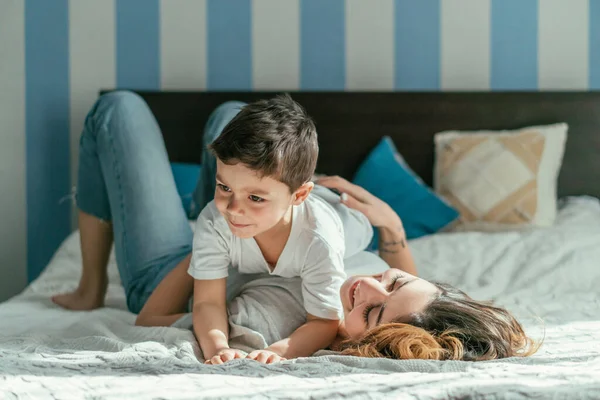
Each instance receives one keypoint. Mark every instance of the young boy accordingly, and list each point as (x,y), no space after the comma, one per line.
(263,219)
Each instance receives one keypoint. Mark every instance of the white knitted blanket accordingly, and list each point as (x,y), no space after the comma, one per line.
(553,273)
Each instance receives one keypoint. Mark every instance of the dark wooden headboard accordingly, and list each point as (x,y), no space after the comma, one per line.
(350,124)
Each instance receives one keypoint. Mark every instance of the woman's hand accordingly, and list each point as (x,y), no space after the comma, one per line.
(393,248)
(379,213)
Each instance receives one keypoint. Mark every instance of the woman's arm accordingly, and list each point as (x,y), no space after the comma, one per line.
(394,250)
(393,246)
(168,301)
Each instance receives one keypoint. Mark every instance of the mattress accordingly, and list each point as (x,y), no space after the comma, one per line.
(549,278)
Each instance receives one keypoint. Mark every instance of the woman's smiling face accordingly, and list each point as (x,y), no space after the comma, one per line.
(370,300)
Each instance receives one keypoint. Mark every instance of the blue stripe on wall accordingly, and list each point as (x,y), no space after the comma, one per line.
(229,38)
(138,44)
(594,44)
(322,45)
(417,34)
(47,129)
(514,45)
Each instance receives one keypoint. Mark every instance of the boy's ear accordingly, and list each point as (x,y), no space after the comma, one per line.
(302,193)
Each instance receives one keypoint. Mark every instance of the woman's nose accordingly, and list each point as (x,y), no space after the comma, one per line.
(370,292)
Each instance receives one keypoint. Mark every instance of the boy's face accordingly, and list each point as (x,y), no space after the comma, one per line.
(252,205)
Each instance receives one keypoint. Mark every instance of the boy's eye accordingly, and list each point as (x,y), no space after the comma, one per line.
(223,187)
(256,199)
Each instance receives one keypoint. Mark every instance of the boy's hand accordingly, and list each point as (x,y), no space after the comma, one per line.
(225,355)
(265,356)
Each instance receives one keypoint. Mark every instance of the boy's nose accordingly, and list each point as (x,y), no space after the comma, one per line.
(233,206)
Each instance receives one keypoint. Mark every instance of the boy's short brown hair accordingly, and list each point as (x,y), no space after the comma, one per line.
(275,137)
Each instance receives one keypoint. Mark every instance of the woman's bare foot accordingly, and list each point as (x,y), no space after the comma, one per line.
(86,297)
(96,238)
(78,301)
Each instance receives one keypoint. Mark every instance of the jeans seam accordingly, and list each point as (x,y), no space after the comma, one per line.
(122,205)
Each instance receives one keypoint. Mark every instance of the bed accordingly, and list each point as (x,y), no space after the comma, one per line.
(548,277)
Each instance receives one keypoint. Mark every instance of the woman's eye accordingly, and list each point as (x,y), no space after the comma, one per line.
(223,187)
(366,313)
(256,199)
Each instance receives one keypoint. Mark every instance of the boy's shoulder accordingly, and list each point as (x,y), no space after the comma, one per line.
(209,212)
(321,222)
(210,215)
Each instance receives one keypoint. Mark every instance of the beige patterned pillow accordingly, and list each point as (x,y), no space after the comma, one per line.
(500,180)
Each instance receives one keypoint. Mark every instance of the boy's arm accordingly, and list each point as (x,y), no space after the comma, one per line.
(209,268)
(316,334)
(322,277)
(210,316)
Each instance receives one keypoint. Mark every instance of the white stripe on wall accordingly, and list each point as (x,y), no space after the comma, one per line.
(183,44)
(276,44)
(13,200)
(91,63)
(369,45)
(563,44)
(465,42)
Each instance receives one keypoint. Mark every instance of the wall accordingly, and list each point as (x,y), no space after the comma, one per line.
(13,202)
(56,54)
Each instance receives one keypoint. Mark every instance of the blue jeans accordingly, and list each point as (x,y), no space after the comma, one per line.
(125,177)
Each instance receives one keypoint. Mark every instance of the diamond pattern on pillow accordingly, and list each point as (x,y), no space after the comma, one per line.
(492,178)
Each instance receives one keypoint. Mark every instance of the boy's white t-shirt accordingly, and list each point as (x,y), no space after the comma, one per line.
(314,252)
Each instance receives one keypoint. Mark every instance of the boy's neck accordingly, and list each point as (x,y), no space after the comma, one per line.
(283,227)
(272,242)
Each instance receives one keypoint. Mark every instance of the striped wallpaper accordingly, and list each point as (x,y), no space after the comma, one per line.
(56,54)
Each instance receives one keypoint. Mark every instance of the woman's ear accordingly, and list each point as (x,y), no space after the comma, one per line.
(302,193)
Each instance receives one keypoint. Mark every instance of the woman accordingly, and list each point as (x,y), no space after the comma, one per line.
(126,191)
(406,317)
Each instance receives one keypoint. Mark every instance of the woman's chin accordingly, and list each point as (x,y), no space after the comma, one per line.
(344,290)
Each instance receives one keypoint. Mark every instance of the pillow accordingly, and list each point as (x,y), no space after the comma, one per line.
(186,177)
(500,180)
(386,175)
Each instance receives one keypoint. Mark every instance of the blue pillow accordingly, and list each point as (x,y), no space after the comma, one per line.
(186,177)
(386,175)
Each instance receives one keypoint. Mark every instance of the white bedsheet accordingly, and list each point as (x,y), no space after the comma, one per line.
(46,352)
